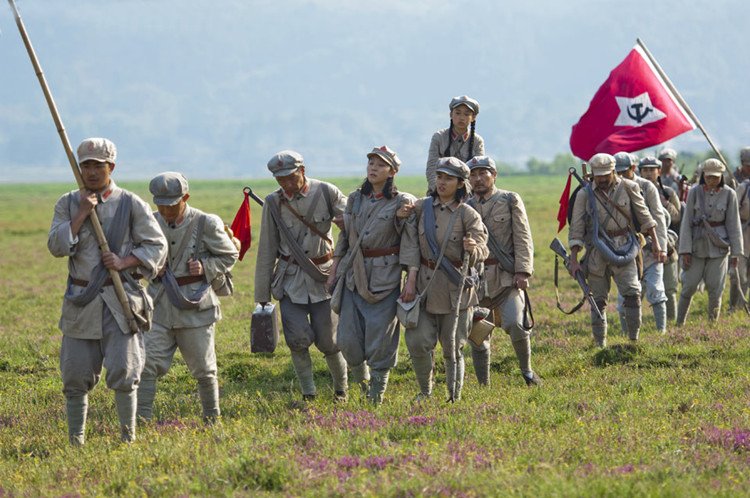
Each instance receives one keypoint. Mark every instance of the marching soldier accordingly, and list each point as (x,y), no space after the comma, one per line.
(710,235)
(653,266)
(507,269)
(602,223)
(186,307)
(739,279)
(95,331)
(671,203)
(669,176)
(449,227)
(459,140)
(379,238)
(295,255)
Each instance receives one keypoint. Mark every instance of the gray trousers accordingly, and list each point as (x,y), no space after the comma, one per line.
(369,331)
(742,268)
(196,346)
(307,324)
(712,271)
(81,360)
(422,339)
(671,273)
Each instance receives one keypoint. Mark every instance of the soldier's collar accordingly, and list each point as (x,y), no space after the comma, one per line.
(487,197)
(453,205)
(302,192)
(456,136)
(106,194)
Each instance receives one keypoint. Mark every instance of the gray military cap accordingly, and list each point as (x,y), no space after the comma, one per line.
(168,188)
(602,164)
(745,155)
(485,162)
(97,149)
(465,100)
(285,163)
(623,161)
(386,154)
(452,166)
(649,162)
(668,154)
(713,167)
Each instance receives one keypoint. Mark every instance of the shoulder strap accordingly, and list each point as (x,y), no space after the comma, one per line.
(309,225)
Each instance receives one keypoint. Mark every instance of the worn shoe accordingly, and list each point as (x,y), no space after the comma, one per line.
(532,380)
(308,397)
(340,397)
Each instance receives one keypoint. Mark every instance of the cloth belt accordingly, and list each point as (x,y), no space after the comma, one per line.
(431,264)
(318,261)
(108,281)
(617,233)
(381,251)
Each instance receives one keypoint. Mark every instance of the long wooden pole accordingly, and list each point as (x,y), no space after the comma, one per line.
(100,237)
(681,101)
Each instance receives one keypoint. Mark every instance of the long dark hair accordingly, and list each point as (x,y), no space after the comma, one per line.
(447,151)
(462,192)
(389,189)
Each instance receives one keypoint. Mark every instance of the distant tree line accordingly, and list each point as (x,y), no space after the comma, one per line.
(686,163)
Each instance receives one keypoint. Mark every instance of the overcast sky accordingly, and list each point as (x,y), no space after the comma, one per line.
(214,89)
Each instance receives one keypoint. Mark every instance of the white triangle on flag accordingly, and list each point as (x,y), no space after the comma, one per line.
(637,111)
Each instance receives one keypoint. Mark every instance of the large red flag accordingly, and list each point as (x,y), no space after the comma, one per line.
(632,110)
(241,225)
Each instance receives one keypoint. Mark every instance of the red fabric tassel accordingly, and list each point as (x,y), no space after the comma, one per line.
(241,226)
(562,214)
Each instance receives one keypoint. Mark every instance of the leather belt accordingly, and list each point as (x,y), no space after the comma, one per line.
(716,223)
(108,281)
(380,251)
(617,233)
(318,261)
(431,264)
(490,261)
(189,279)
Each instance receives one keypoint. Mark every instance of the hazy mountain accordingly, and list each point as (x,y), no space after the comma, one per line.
(215,88)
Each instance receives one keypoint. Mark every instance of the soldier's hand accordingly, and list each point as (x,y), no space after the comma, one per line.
(687,260)
(339,221)
(521,281)
(405,210)
(88,202)
(733,262)
(195,267)
(331,282)
(575,267)
(112,261)
(409,293)
(469,243)
(661,257)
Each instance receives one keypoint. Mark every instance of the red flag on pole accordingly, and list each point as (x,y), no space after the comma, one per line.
(562,213)
(241,226)
(632,110)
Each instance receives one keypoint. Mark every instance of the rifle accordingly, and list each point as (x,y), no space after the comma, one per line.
(98,231)
(560,252)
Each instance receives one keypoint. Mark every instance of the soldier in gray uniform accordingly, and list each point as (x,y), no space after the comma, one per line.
(653,267)
(95,331)
(459,140)
(710,234)
(507,269)
(295,254)
(669,176)
(671,203)
(379,238)
(186,307)
(445,222)
(739,288)
(602,222)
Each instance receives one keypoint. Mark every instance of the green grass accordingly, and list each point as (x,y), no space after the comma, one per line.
(668,417)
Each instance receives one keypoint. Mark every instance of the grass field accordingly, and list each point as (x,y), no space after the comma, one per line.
(668,417)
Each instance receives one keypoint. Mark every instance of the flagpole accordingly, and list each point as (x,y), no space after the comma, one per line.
(682,101)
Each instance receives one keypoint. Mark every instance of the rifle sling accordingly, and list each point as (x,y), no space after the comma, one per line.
(557,293)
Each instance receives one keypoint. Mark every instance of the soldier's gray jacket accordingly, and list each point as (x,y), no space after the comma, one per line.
(673,206)
(626,194)
(743,191)
(277,276)
(459,148)
(653,203)
(504,215)
(383,272)
(722,210)
(217,254)
(442,294)
(143,239)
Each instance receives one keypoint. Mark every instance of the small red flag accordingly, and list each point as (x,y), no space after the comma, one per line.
(562,213)
(632,110)
(241,226)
